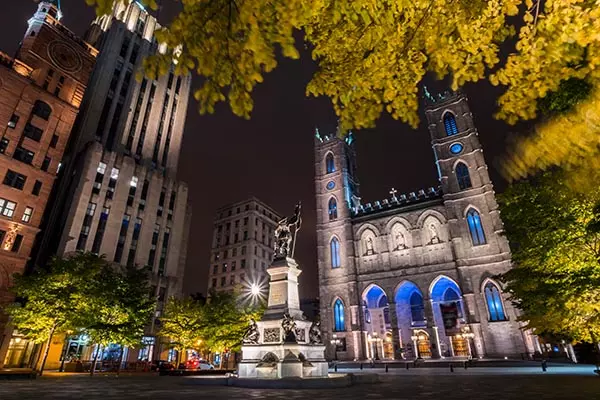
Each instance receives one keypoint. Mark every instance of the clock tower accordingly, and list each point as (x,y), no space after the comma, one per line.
(62,63)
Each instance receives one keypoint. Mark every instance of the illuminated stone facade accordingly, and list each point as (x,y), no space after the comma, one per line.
(242,246)
(40,94)
(122,199)
(413,275)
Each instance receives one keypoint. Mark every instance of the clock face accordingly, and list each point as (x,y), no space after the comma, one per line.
(330,185)
(456,148)
(64,57)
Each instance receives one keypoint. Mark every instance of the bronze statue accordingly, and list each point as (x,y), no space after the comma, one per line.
(251,336)
(284,242)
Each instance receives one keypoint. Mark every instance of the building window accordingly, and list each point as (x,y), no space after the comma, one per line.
(17,244)
(112,183)
(27,214)
(13,121)
(48,79)
(99,177)
(475,227)
(224,268)
(161,204)
(59,85)
(215,269)
(42,109)
(54,141)
(46,164)
(417,308)
(214,282)
(493,299)
(243,264)
(3,145)
(33,132)
(122,237)
(7,208)
(338,316)
(100,230)
(244,250)
(329,164)
(332,209)
(134,239)
(335,253)
(144,195)
(85,229)
(153,245)
(462,176)
(132,189)
(23,155)
(223,280)
(233,265)
(450,124)
(14,179)
(37,187)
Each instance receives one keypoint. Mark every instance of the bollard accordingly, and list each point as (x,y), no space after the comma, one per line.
(335,367)
(361,366)
(372,364)
(451,368)
(386,367)
(544,365)
(465,365)
(407,366)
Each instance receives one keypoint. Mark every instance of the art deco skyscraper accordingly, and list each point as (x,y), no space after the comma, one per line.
(119,196)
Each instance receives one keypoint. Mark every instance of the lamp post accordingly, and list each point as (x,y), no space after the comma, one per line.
(468,335)
(335,342)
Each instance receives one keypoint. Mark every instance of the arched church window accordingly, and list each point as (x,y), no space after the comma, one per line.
(451,296)
(475,228)
(450,124)
(493,300)
(417,308)
(462,176)
(42,110)
(335,253)
(338,316)
(332,209)
(329,164)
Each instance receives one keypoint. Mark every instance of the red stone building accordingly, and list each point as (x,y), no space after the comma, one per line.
(41,89)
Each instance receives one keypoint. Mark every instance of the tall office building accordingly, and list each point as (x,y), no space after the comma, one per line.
(242,246)
(40,94)
(119,196)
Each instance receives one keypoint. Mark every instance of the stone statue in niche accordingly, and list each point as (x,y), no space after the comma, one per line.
(289,328)
(399,241)
(252,335)
(433,234)
(314,334)
(370,248)
(285,234)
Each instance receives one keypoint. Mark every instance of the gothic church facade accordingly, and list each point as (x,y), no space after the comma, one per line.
(412,276)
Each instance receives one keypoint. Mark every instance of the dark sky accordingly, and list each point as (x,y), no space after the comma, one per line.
(226,159)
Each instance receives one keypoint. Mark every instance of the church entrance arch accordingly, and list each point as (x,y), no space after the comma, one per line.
(448,315)
(377,323)
(410,310)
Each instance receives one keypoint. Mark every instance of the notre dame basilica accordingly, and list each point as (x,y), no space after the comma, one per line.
(412,276)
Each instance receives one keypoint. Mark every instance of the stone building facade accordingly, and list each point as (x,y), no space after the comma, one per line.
(412,276)
(119,195)
(242,246)
(40,93)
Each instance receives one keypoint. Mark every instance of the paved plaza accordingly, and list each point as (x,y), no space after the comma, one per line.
(577,382)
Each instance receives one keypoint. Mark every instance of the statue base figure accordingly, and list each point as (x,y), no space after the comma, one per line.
(288,345)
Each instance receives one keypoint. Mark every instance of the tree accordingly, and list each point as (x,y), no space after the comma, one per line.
(554,234)
(180,322)
(51,298)
(372,54)
(224,322)
(118,308)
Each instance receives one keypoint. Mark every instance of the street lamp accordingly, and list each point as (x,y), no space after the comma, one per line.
(335,342)
(255,289)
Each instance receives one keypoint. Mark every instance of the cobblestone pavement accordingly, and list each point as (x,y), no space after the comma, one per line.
(476,384)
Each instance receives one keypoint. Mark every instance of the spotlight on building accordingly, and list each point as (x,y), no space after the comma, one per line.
(255,289)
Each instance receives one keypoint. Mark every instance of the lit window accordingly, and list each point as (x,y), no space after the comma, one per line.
(335,253)
(475,228)
(332,209)
(27,214)
(462,176)
(7,208)
(134,181)
(338,316)
(450,124)
(494,302)
(329,164)
(114,174)
(101,168)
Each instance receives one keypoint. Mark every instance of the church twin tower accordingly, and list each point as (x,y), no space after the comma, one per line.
(412,276)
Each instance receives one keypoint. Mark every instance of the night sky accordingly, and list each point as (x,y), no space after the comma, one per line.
(227,159)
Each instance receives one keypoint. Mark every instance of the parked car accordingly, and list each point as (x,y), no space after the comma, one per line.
(198,364)
(163,366)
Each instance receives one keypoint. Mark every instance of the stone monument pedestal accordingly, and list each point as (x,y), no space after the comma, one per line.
(287,344)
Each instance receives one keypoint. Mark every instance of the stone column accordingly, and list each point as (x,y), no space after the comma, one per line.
(478,340)
(395,330)
(434,338)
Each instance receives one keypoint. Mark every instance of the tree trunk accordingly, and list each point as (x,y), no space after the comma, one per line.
(93,367)
(47,350)
(120,360)
(64,354)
